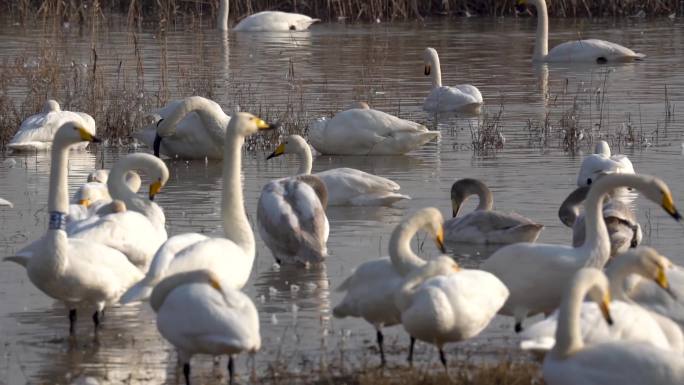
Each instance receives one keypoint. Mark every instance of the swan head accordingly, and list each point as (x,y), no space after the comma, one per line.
(462,189)
(245,124)
(293,144)
(51,106)
(598,290)
(657,191)
(73,132)
(160,175)
(648,263)
(430,58)
(431,221)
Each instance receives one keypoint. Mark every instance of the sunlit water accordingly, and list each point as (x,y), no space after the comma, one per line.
(325,69)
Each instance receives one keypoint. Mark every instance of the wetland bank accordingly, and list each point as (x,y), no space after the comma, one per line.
(527,144)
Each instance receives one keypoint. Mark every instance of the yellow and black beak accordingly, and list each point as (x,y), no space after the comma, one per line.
(262,125)
(84,202)
(427,69)
(669,207)
(87,136)
(661,280)
(280,150)
(439,239)
(154,189)
(520,6)
(605,309)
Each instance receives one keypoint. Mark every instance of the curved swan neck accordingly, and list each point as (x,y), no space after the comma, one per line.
(402,256)
(224,11)
(212,116)
(464,188)
(568,333)
(541,44)
(617,273)
(569,209)
(305,159)
(435,69)
(236,226)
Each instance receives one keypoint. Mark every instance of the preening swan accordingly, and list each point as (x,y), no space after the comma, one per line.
(602,162)
(623,229)
(570,362)
(460,98)
(631,321)
(190,128)
(92,197)
(371,287)
(230,258)
(519,265)
(346,186)
(75,271)
(364,131)
(266,21)
(590,50)
(199,314)
(485,225)
(36,133)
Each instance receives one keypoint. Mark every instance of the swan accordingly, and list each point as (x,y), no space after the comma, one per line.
(441,303)
(602,162)
(346,186)
(462,98)
(231,258)
(370,288)
(37,131)
(519,265)
(623,229)
(607,363)
(5,202)
(140,230)
(199,314)
(291,219)
(589,50)
(484,225)
(364,131)
(631,321)
(75,271)
(266,21)
(92,197)
(190,128)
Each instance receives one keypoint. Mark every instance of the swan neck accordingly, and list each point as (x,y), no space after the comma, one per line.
(617,273)
(486,200)
(58,199)
(305,160)
(224,10)
(236,226)
(436,71)
(212,116)
(402,256)
(541,45)
(568,333)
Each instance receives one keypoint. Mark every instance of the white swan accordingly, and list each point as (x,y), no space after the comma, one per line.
(199,314)
(346,186)
(291,219)
(460,98)
(190,128)
(5,202)
(623,229)
(631,321)
(139,231)
(364,131)
(519,265)
(37,131)
(570,362)
(230,258)
(602,162)
(441,303)
(485,225)
(589,50)
(371,287)
(92,197)
(77,272)
(268,21)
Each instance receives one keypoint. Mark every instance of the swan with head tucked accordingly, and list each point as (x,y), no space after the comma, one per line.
(199,314)
(266,21)
(291,219)
(139,231)
(623,229)
(36,133)
(346,186)
(631,321)
(77,272)
(230,258)
(460,98)
(92,197)
(589,50)
(190,128)
(519,265)
(602,162)
(571,362)
(371,287)
(485,225)
(365,131)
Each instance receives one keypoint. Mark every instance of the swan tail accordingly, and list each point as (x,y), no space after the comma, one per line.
(141,291)
(18,259)
(386,199)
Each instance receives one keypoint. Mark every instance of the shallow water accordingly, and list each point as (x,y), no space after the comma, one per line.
(334,65)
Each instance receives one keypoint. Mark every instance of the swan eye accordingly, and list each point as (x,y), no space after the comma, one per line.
(588,181)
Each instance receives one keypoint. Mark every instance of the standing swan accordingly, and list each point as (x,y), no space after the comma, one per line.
(461,98)
(519,265)
(371,287)
(74,271)
(346,186)
(591,50)
(230,258)
(199,314)
(608,363)
(485,225)
(36,133)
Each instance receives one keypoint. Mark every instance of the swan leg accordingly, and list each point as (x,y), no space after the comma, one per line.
(518,327)
(157,144)
(231,369)
(519,315)
(186,373)
(72,321)
(96,319)
(381,338)
(410,355)
(442,358)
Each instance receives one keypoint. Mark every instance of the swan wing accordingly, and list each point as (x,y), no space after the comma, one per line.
(460,98)
(592,50)
(351,186)
(275,21)
(37,131)
(491,227)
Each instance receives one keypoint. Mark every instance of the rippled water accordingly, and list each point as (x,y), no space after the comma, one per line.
(325,69)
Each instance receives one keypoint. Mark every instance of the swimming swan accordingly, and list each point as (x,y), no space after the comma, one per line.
(590,50)
(364,131)
(230,258)
(461,98)
(190,128)
(484,225)
(346,186)
(77,272)
(199,314)
(518,265)
(4,202)
(607,363)
(371,287)
(602,162)
(36,132)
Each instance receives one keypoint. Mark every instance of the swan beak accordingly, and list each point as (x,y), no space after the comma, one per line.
(154,189)
(87,136)
(605,309)
(84,202)
(427,69)
(455,208)
(669,207)
(439,239)
(280,150)
(213,282)
(262,125)
(661,280)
